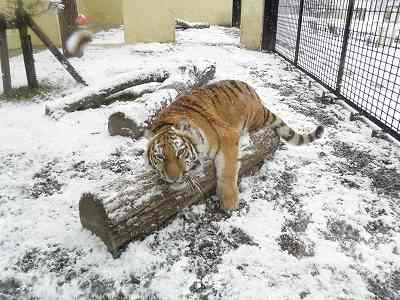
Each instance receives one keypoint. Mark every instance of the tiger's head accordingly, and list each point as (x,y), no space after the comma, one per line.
(172,152)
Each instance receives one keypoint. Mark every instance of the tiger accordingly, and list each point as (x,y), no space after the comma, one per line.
(208,122)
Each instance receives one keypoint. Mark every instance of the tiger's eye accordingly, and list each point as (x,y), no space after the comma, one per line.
(181,152)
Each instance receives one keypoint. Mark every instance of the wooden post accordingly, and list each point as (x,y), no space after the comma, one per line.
(270,24)
(26,46)
(67,22)
(236,13)
(54,50)
(4,58)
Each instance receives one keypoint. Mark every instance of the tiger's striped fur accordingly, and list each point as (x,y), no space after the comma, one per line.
(210,121)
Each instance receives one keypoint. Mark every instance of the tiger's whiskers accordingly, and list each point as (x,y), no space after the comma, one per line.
(193,184)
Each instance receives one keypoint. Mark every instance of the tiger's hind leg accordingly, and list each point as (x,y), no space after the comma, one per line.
(227,167)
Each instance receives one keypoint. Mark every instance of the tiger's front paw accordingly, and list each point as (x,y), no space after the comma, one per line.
(229,201)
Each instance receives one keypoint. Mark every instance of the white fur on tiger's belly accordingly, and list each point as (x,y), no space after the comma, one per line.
(245,144)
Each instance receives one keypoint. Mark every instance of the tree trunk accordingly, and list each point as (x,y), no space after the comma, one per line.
(4,58)
(27,51)
(95,96)
(132,208)
(67,22)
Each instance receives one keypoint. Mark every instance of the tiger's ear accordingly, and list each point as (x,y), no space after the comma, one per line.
(148,134)
(184,125)
(194,132)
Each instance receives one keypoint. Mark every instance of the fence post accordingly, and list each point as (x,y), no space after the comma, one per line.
(270,24)
(350,10)
(4,58)
(299,23)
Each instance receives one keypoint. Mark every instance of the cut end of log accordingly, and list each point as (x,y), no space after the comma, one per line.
(98,223)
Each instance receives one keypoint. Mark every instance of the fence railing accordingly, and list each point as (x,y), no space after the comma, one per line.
(352,47)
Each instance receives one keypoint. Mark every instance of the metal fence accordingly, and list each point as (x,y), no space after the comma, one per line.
(352,47)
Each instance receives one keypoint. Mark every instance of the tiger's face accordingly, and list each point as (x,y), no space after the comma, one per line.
(172,154)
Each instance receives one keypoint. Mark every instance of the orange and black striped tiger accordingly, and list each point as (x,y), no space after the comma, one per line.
(210,121)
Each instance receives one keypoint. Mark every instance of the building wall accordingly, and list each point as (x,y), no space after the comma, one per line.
(148,21)
(154,20)
(102,12)
(48,22)
(251,27)
(218,12)
(106,12)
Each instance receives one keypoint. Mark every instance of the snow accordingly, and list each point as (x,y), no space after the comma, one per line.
(109,37)
(316,222)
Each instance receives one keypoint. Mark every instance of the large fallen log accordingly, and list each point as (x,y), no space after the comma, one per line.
(129,87)
(186,77)
(95,96)
(131,208)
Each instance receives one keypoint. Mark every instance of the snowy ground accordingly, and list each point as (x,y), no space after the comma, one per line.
(317,222)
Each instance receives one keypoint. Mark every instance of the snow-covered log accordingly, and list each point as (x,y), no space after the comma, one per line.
(182,24)
(129,87)
(95,96)
(131,208)
(189,77)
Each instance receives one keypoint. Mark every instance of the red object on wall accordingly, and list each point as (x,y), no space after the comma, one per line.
(81,20)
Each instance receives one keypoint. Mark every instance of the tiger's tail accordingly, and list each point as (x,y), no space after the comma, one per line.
(288,134)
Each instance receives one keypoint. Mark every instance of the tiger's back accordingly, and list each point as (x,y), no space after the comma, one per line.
(224,105)
(228,105)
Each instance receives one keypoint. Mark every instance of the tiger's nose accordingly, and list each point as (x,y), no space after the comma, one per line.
(172,173)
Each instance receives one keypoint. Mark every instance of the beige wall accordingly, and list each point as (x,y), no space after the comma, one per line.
(148,21)
(218,12)
(110,12)
(102,12)
(48,22)
(251,27)
(154,20)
